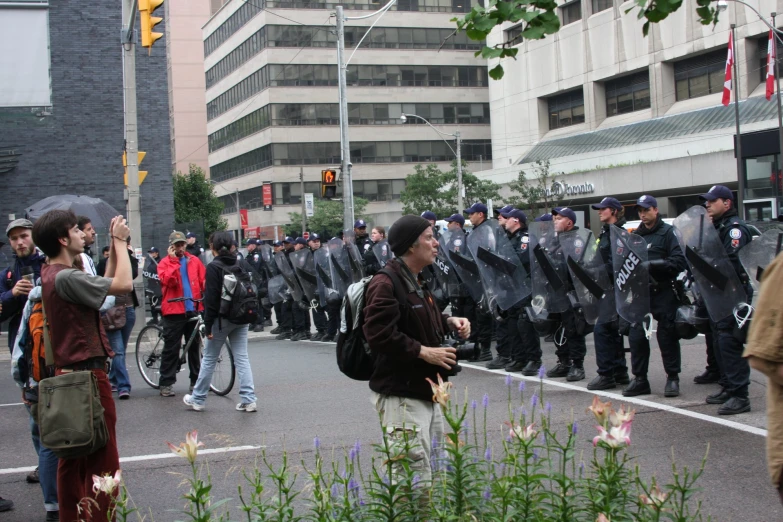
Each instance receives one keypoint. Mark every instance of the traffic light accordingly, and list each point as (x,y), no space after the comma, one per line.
(328,183)
(146,8)
(142,173)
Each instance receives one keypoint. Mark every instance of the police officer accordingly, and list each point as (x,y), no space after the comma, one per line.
(734,369)
(477,214)
(255,263)
(283,318)
(319,314)
(462,304)
(300,310)
(371,263)
(499,215)
(666,261)
(193,248)
(609,351)
(503,335)
(363,242)
(430,216)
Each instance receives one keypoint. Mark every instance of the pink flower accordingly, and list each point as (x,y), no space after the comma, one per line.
(655,500)
(615,437)
(602,518)
(600,410)
(525,434)
(106,484)
(189,448)
(440,391)
(618,418)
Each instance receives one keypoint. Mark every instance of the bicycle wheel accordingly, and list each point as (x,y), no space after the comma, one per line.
(225,372)
(149,347)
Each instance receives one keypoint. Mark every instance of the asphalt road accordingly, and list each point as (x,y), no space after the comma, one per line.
(302,394)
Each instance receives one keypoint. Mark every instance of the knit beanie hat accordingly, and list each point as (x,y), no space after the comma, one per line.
(405,231)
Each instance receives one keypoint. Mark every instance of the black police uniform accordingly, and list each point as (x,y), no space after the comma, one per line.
(485,324)
(319,318)
(666,261)
(194,250)
(462,304)
(524,344)
(364,244)
(371,264)
(255,263)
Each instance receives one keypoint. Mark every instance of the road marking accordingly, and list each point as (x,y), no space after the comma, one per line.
(139,458)
(632,400)
(12,404)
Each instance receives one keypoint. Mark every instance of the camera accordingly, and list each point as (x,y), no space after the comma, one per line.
(465,352)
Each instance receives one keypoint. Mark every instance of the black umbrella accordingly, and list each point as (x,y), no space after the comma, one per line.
(99,212)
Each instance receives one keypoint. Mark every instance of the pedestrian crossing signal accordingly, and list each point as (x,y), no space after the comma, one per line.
(142,173)
(328,183)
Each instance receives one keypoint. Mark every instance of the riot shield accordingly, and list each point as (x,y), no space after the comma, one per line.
(756,255)
(150,273)
(631,275)
(206,257)
(339,266)
(461,259)
(278,290)
(382,252)
(268,258)
(287,271)
(548,270)
(444,270)
(355,261)
(592,285)
(503,276)
(327,293)
(718,283)
(304,268)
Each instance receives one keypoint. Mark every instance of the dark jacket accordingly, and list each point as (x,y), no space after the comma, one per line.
(213,289)
(663,251)
(371,263)
(520,241)
(13,306)
(194,250)
(396,333)
(605,246)
(734,234)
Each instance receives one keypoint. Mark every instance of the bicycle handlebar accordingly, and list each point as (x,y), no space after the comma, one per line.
(181,299)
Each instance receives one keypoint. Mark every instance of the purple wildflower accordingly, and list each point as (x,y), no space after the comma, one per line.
(357,446)
(574,428)
(488,454)
(487,493)
(352,454)
(352,484)
(508,379)
(508,438)
(416,480)
(521,386)
(335,490)
(535,453)
(317,442)
(548,406)
(541,372)
(473,404)
(485,400)
(534,400)
(581,468)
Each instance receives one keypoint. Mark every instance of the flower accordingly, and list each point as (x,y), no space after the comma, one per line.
(316,442)
(617,418)
(526,434)
(541,372)
(487,493)
(189,448)
(106,484)
(615,437)
(574,428)
(488,454)
(508,379)
(548,406)
(521,386)
(440,391)
(534,400)
(473,404)
(656,498)
(485,400)
(600,410)
(602,518)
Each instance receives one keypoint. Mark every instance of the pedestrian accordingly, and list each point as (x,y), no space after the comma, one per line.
(218,328)
(85,225)
(118,376)
(405,338)
(100,269)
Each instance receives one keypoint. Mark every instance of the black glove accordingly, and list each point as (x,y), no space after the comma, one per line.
(658,267)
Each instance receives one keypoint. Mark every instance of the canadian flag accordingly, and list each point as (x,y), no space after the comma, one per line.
(729,64)
(771,57)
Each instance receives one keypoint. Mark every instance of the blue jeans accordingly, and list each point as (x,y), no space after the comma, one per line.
(119,344)
(237,335)
(47,468)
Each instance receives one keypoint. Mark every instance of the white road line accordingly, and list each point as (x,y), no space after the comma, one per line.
(12,404)
(632,400)
(139,458)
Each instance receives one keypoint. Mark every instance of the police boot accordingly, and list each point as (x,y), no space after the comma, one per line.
(485,352)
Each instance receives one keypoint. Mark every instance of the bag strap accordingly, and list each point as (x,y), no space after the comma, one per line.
(399,291)
(46,337)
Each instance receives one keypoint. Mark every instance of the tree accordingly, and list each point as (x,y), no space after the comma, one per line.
(536,193)
(539,18)
(429,188)
(195,200)
(327,217)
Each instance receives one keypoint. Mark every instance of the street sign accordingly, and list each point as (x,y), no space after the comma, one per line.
(309,205)
(267,194)
(243,217)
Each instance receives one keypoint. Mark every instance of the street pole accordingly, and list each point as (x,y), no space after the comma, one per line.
(780,109)
(345,163)
(304,209)
(460,208)
(740,173)
(127,40)
(239,218)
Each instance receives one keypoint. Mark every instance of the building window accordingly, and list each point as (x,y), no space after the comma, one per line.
(429,6)
(240,17)
(566,109)
(763,45)
(571,12)
(602,5)
(514,35)
(700,75)
(628,94)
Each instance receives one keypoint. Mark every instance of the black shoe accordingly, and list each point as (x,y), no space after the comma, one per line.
(576,373)
(708,377)
(531,368)
(485,353)
(327,338)
(52,516)
(718,398)
(258,328)
(549,338)
(300,336)
(6,504)
(515,366)
(672,388)
(638,386)
(32,477)
(561,369)
(268,322)
(602,382)
(498,363)
(318,336)
(283,336)
(734,406)
(621,376)
(277,331)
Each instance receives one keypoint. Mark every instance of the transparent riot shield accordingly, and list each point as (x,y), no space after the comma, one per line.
(206,257)
(465,266)
(339,266)
(304,268)
(548,271)
(268,258)
(278,290)
(287,271)
(591,281)
(382,252)
(756,255)
(503,276)
(327,292)
(631,275)
(718,283)
(444,270)
(356,262)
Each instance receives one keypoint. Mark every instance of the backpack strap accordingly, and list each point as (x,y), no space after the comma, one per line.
(46,337)
(400,291)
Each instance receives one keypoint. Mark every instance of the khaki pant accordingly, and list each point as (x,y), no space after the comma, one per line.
(420,421)
(774,418)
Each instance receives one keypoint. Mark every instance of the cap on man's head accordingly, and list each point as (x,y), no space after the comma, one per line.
(191,235)
(476,207)
(277,243)
(608,203)
(515,213)
(360,223)
(288,239)
(176,237)
(544,217)
(300,241)
(647,201)
(565,212)
(429,214)
(253,241)
(154,250)
(717,191)
(314,237)
(505,210)
(18,223)
(456,218)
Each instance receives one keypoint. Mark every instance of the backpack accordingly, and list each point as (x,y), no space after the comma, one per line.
(34,347)
(354,357)
(239,298)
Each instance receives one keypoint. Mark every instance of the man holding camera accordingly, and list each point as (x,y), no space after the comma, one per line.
(405,330)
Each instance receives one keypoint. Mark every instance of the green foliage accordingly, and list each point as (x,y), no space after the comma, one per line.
(532,194)
(429,188)
(195,200)
(539,18)
(327,217)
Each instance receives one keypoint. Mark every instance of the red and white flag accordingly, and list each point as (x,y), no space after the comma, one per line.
(771,57)
(729,64)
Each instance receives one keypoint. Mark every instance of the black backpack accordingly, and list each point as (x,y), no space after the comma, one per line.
(354,357)
(242,307)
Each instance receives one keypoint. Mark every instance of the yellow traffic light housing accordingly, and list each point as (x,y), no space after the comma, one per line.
(328,183)
(142,173)
(148,22)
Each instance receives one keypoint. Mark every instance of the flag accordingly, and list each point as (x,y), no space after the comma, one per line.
(771,57)
(729,64)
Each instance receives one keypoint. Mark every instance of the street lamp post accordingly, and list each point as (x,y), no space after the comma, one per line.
(458,153)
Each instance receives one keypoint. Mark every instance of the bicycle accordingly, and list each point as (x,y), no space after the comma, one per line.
(149,348)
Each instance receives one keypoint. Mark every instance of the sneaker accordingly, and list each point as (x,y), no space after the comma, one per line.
(114,388)
(328,339)
(52,516)
(248,407)
(638,386)
(498,363)
(6,504)
(531,368)
(602,382)
(576,373)
(166,391)
(734,406)
(188,399)
(561,369)
(32,477)
(124,395)
(277,331)
(283,336)
(708,377)
(672,388)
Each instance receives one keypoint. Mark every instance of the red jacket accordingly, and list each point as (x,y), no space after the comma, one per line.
(171,283)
